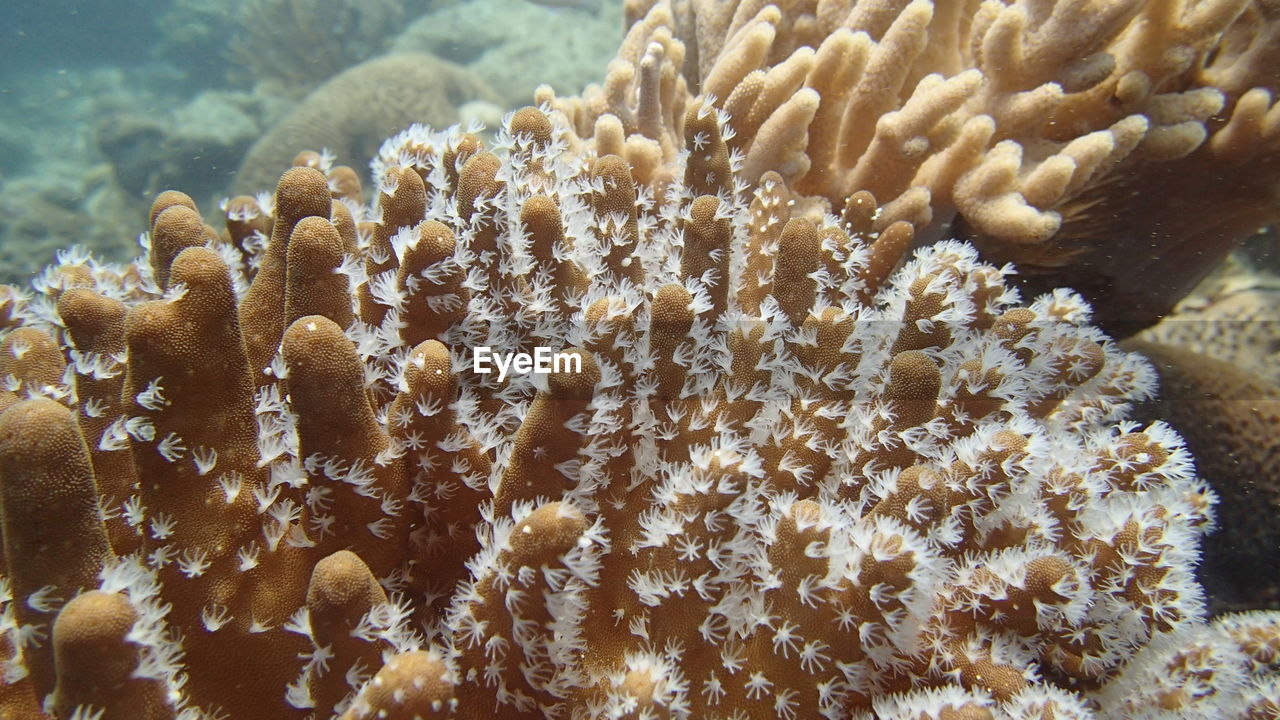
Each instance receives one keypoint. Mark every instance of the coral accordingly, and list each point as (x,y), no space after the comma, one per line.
(1185,670)
(1216,355)
(1233,317)
(57,185)
(38,212)
(91,160)
(201,140)
(1230,418)
(776,468)
(493,39)
(1118,147)
(305,42)
(352,113)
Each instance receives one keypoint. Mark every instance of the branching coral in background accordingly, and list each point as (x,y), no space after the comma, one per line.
(353,112)
(304,42)
(775,477)
(1118,147)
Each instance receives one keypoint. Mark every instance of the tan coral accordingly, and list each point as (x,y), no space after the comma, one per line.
(1059,137)
(770,476)
(354,109)
(97,665)
(1229,417)
(303,42)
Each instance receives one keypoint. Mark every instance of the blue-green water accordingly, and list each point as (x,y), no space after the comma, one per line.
(105,104)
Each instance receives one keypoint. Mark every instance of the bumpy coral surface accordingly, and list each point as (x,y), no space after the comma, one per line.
(778,468)
(1228,417)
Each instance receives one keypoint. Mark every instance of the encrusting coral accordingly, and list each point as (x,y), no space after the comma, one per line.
(1228,417)
(1216,356)
(1118,147)
(775,469)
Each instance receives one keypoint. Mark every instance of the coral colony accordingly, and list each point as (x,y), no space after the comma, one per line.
(794,470)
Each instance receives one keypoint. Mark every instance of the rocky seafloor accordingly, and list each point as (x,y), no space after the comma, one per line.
(201,94)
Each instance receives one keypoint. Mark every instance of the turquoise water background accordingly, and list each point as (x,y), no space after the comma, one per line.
(105,103)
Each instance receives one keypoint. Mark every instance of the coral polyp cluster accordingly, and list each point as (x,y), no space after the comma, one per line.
(787,469)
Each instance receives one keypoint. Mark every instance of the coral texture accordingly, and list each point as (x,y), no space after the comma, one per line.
(1218,358)
(350,114)
(1082,140)
(305,42)
(777,469)
(1234,316)
(1230,418)
(516,45)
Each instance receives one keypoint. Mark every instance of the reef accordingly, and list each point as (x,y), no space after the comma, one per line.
(794,456)
(302,43)
(352,113)
(1234,316)
(1083,141)
(1228,416)
(492,39)
(1216,355)
(784,478)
